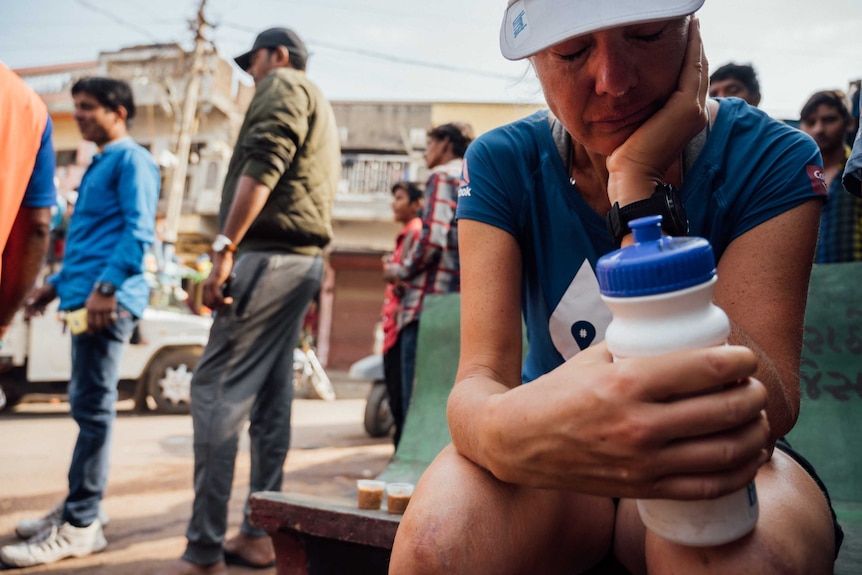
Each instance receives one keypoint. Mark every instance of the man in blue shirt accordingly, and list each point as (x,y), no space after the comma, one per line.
(102,273)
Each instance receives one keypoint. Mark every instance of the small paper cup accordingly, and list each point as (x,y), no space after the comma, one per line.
(398,496)
(370,493)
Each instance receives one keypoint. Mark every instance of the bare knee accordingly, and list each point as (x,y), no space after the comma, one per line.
(443,515)
(750,555)
(793,536)
(463,520)
(422,547)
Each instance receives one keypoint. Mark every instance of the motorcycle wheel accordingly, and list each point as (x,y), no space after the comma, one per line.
(319,380)
(378,416)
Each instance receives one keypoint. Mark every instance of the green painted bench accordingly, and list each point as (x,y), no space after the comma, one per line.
(829,430)
(324,535)
(318,536)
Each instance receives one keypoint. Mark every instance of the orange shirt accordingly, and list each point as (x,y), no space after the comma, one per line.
(23,116)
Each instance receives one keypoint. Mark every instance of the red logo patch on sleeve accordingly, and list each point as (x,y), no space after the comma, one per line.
(818,181)
(465,175)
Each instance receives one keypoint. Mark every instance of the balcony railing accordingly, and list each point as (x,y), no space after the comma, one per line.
(371,176)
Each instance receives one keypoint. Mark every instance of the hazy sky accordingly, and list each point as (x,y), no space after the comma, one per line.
(442,50)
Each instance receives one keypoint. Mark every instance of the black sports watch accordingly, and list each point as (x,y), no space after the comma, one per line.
(106,289)
(664,202)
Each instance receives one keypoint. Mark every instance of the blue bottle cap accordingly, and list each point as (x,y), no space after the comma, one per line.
(654,263)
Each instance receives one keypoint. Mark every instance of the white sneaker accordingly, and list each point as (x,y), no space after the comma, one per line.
(27,528)
(55,543)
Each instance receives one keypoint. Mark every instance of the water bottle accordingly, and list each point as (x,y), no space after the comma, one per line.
(660,292)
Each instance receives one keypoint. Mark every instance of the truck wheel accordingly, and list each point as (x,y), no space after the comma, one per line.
(11,383)
(170,379)
(378,416)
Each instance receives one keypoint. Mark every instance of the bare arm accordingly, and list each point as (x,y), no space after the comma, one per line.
(593,425)
(22,259)
(644,159)
(763,286)
(763,275)
(490,349)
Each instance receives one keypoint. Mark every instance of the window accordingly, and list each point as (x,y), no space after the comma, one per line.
(212,175)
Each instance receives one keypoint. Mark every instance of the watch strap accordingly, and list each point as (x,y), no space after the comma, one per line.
(664,202)
(636,210)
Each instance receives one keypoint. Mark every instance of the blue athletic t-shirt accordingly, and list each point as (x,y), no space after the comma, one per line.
(750,169)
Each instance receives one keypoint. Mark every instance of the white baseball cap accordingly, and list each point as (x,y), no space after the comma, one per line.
(530,26)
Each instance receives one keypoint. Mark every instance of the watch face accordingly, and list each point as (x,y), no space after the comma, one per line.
(678,224)
(221,244)
(106,289)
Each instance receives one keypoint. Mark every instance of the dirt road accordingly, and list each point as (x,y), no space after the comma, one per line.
(149,493)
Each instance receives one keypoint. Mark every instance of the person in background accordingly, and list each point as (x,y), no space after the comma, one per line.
(854,95)
(853,169)
(735,80)
(432,267)
(407,203)
(275,219)
(550,454)
(27,191)
(65,207)
(826,118)
(102,273)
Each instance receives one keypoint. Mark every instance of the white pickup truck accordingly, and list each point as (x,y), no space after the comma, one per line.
(35,358)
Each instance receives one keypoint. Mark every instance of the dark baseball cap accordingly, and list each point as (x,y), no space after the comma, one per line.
(273,38)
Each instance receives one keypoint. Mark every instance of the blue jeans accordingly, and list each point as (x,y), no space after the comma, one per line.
(92,395)
(408,337)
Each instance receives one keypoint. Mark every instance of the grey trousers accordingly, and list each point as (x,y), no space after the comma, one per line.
(245,373)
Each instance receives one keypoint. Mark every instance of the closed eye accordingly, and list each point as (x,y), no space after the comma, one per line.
(574,55)
(651,37)
(648,32)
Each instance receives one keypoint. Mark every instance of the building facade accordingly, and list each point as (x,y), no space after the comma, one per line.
(382,142)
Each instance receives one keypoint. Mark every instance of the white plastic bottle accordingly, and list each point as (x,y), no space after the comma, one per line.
(660,292)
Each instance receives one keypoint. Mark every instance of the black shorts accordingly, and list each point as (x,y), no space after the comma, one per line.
(785,447)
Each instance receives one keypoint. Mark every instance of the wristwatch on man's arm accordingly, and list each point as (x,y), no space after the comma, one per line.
(223,244)
(665,201)
(106,289)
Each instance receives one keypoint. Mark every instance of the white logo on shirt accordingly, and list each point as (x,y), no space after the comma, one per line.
(581,317)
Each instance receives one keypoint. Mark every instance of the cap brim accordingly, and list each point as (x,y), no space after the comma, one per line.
(530,26)
(244,61)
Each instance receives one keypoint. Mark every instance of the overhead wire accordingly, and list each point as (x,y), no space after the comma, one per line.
(387,57)
(118,20)
(322,44)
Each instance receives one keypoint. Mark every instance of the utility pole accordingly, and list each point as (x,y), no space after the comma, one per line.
(176,185)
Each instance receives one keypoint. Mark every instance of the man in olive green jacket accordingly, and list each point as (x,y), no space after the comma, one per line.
(275,218)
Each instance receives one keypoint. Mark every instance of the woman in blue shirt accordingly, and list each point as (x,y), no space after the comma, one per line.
(542,478)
